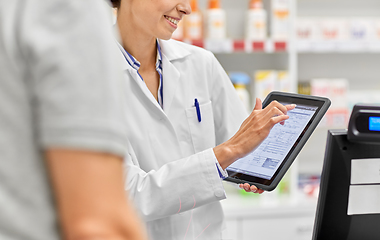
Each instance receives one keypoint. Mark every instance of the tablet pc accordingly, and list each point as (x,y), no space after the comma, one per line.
(267,164)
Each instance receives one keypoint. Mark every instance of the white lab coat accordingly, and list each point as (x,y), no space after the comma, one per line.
(171,171)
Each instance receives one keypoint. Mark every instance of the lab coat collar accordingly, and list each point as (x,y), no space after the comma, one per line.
(170,49)
(134,63)
(124,64)
(173,49)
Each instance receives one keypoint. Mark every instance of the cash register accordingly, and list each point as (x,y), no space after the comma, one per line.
(349,199)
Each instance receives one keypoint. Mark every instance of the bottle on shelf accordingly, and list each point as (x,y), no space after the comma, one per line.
(283,81)
(304,87)
(265,81)
(256,24)
(240,81)
(280,21)
(215,21)
(194,23)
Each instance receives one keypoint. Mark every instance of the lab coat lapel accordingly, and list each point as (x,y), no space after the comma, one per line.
(136,78)
(170,82)
(171,51)
(144,89)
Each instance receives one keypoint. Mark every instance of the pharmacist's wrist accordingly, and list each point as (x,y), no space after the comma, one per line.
(226,154)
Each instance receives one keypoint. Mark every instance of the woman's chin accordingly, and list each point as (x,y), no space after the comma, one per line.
(165,35)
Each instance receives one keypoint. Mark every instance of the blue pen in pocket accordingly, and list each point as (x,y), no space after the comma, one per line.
(196,104)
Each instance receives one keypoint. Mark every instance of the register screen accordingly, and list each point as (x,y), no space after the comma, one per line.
(264,161)
(374,123)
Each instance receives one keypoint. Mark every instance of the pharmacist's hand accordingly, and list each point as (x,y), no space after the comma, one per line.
(251,188)
(252,132)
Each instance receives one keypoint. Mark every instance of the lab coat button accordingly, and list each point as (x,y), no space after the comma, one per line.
(219,193)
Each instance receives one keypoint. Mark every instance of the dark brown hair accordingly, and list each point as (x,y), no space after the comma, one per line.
(116,3)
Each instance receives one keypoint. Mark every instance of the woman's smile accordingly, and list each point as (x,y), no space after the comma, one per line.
(173,21)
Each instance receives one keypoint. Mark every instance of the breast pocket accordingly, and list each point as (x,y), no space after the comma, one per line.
(203,132)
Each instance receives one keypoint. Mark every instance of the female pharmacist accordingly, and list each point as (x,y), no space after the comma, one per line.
(183,113)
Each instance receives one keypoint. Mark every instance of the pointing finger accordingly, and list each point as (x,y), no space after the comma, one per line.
(290,106)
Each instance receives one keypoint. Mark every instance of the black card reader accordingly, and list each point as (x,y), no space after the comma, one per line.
(364,124)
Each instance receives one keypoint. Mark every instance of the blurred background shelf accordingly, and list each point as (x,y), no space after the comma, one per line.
(228,46)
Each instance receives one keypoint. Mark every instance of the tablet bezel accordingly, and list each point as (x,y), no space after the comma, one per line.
(321,102)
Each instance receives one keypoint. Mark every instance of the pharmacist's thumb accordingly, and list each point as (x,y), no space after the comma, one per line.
(258,105)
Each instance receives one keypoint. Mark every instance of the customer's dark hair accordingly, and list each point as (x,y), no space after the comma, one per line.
(116,3)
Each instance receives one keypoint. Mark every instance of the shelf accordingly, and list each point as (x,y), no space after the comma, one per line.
(338,46)
(302,46)
(232,46)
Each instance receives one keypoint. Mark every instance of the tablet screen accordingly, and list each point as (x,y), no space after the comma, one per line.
(266,165)
(264,161)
